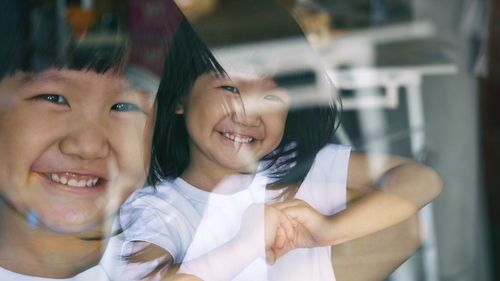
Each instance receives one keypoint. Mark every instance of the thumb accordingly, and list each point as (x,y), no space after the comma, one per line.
(270,257)
(278,253)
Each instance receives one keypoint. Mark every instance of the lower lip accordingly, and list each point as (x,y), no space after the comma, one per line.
(54,186)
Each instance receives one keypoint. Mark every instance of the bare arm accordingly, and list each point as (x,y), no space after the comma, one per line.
(396,188)
(392,189)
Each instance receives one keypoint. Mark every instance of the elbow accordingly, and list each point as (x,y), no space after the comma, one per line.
(429,187)
(414,182)
(434,184)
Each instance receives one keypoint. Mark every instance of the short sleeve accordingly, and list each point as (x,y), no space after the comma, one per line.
(154,220)
(325,186)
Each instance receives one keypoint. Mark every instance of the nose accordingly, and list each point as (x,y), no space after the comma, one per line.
(249,113)
(87,141)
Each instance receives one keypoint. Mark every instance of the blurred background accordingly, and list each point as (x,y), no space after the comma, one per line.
(415,76)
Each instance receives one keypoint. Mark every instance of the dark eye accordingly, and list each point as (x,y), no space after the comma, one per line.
(52,98)
(273,98)
(231,89)
(125,106)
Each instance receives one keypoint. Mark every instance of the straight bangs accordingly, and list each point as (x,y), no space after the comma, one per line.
(104,60)
(33,41)
(112,58)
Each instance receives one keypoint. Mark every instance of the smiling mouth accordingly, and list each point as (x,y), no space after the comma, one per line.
(74,180)
(238,138)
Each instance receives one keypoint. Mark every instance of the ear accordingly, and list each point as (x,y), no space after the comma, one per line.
(179,109)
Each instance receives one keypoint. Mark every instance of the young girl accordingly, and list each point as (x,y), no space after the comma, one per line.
(243,179)
(75,140)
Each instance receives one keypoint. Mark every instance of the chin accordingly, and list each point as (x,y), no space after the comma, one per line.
(244,168)
(68,223)
(80,230)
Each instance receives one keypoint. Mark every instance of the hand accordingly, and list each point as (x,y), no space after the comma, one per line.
(277,231)
(311,228)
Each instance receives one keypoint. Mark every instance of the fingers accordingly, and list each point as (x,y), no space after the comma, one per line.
(270,257)
(280,234)
(287,227)
(295,214)
(278,250)
(296,210)
(291,225)
(279,222)
(280,240)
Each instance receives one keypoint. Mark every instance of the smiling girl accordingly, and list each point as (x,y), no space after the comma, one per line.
(75,140)
(243,178)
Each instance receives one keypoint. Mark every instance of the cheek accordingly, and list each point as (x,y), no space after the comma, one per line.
(275,129)
(148,139)
(279,122)
(132,147)
(205,109)
(23,140)
(200,121)
(277,137)
(147,152)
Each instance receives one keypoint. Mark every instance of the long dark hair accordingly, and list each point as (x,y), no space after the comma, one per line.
(307,129)
(187,59)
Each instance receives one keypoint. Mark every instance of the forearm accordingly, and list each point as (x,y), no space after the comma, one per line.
(402,191)
(399,175)
(371,213)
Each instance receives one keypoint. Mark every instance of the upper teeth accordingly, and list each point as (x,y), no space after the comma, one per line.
(238,138)
(73,182)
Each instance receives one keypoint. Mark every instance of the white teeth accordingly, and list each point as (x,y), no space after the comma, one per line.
(55,177)
(238,138)
(73,182)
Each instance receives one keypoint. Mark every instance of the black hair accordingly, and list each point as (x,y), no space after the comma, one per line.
(14,27)
(307,129)
(35,39)
(187,59)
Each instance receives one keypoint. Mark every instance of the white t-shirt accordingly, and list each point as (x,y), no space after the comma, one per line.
(189,222)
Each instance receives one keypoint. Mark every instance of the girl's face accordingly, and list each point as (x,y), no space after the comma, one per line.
(233,123)
(74,145)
